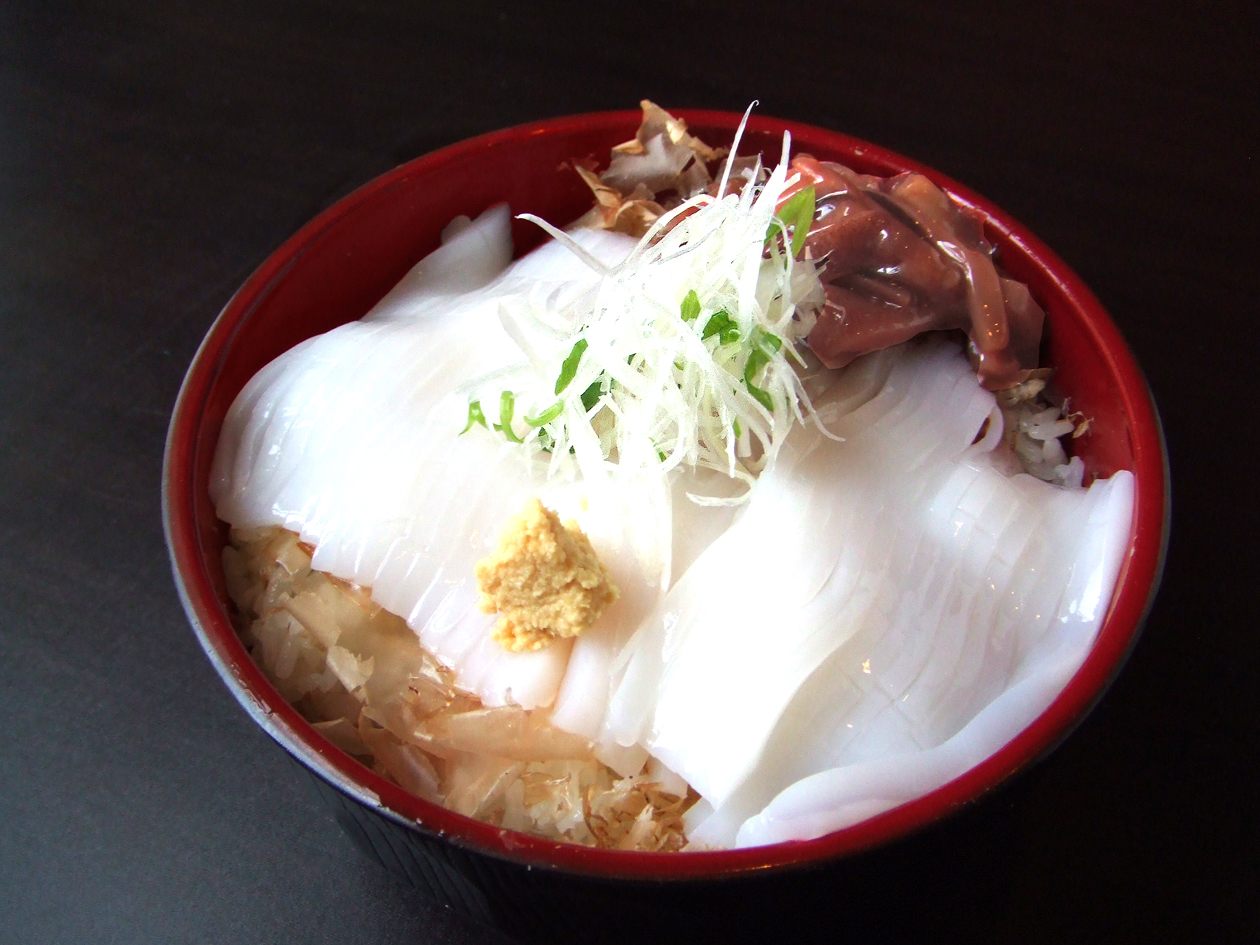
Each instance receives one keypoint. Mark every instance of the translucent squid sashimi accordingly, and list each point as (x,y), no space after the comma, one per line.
(875,596)
(351,440)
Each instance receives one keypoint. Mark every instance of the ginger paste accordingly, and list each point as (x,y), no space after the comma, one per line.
(544,580)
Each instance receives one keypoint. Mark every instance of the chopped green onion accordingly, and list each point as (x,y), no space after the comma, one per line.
(762,339)
(474,416)
(507,406)
(763,396)
(569,368)
(797,214)
(590,396)
(764,346)
(546,416)
(721,324)
(690,306)
(642,329)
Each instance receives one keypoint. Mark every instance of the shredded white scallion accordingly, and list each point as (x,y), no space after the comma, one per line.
(681,355)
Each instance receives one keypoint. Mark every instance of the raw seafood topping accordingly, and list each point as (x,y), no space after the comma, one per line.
(899,257)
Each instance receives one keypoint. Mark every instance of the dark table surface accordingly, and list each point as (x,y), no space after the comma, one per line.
(151,157)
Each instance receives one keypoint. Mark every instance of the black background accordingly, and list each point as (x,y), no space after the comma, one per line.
(151,155)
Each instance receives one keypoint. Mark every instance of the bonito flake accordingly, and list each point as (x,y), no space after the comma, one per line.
(362,677)
(648,174)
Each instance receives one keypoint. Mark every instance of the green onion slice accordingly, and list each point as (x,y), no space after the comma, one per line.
(546,416)
(507,406)
(764,346)
(721,324)
(590,396)
(569,368)
(690,306)
(474,416)
(796,214)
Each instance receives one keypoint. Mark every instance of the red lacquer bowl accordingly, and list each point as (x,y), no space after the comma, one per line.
(343,261)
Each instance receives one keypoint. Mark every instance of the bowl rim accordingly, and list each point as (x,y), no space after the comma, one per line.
(1131,602)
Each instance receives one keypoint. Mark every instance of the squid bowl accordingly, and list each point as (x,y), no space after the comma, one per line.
(339,266)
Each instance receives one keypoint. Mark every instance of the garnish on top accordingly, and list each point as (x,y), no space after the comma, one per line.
(649,174)
(685,353)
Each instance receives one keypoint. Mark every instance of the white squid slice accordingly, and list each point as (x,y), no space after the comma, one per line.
(351,440)
(875,599)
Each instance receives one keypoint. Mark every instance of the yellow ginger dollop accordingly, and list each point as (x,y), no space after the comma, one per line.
(544,580)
